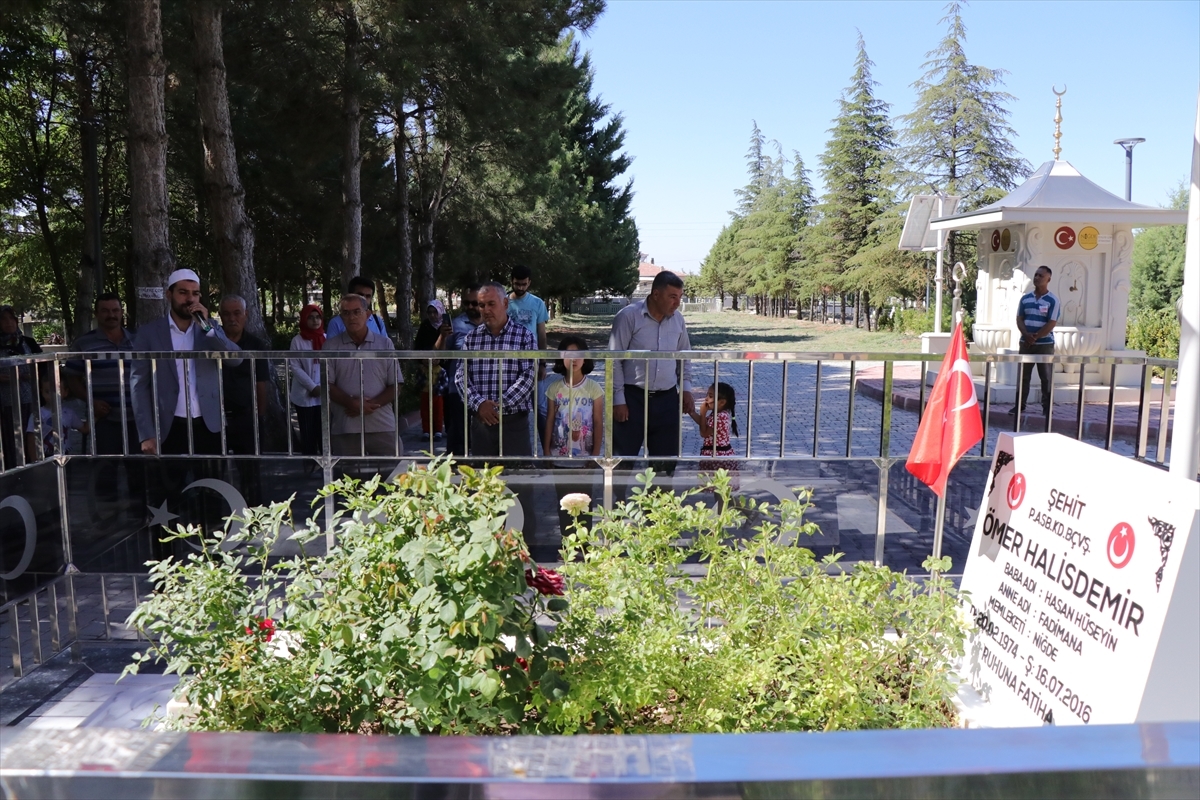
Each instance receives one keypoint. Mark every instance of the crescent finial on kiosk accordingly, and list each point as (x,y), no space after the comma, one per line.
(1058,119)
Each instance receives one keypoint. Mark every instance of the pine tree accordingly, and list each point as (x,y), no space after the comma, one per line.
(957,138)
(856,167)
(758,166)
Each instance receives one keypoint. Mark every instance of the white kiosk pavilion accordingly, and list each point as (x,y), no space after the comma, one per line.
(1085,235)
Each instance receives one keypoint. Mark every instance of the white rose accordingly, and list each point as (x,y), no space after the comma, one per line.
(283,644)
(575,503)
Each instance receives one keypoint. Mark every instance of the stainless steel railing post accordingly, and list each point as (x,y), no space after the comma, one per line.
(850,412)
(1081,403)
(817,413)
(14,620)
(783,410)
(1164,417)
(1112,406)
(1143,421)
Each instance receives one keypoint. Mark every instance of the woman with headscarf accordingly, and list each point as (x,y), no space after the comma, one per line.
(435,329)
(306,379)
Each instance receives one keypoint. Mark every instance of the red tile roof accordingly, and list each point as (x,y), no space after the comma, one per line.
(648,270)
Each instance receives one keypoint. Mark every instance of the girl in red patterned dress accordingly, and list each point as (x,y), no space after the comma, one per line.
(716,418)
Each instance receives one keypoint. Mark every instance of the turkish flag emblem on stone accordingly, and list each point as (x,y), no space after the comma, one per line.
(952,424)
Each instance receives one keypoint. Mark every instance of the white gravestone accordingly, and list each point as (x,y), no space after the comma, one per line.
(1084,583)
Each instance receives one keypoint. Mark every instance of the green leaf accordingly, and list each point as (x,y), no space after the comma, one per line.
(557,604)
(426,571)
(523,648)
(488,686)
(553,686)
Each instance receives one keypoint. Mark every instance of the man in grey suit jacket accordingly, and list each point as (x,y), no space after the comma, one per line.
(199,409)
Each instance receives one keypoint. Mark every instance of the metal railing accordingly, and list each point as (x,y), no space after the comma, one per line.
(64,613)
(1155,760)
(795,409)
(722,364)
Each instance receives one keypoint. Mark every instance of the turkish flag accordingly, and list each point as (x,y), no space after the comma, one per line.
(951,425)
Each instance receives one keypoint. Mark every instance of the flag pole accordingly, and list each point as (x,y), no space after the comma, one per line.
(939,523)
(958,273)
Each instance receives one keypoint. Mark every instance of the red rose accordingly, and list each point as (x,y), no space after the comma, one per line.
(546,581)
(265,625)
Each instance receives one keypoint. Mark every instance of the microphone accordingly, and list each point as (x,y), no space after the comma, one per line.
(202,321)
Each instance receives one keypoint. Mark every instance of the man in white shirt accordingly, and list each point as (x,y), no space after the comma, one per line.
(646,401)
(188,400)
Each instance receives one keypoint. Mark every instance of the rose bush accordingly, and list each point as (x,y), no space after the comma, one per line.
(429,617)
(767,638)
(396,629)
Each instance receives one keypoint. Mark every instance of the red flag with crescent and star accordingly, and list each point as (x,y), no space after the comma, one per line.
(952,424)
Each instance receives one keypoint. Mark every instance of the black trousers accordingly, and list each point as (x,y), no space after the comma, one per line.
(204,441)
(239,437)
(485,441)
(456,431)
(309,419)
(654,421)
(110,441)
(13,432)
(1045,373)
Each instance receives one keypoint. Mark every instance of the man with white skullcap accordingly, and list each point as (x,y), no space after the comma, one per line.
(188,396)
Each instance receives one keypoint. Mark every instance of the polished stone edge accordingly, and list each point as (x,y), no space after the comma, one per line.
(706,758)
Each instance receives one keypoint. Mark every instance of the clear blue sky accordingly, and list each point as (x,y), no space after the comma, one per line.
(689,77)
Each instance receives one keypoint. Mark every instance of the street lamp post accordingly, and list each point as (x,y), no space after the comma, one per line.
(1128,144)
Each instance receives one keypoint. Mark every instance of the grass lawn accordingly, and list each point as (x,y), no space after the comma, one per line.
(734,330)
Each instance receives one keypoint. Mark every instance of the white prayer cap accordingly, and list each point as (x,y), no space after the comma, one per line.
(182,275)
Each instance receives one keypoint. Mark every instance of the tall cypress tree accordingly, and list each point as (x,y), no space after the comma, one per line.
(856,167)
(957,138)
(758,167)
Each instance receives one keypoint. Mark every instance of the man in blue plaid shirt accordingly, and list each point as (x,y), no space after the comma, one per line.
(498,392)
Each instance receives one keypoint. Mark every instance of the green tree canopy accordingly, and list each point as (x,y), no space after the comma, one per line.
(957,138)
(856,167)
(1156,279)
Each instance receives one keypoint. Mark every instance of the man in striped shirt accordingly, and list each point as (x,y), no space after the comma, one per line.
(1037,315)
(498,392)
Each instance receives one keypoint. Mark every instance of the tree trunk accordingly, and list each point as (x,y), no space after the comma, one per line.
(866,302)
(148,203)
(404,267)
(60,281)
(430,211)
(232,231)
(91,267)
(352,149)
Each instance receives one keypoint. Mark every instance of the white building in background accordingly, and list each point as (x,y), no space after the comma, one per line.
(646,272)
(1085,235)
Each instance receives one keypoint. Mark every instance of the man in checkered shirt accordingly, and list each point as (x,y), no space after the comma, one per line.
(499,422)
